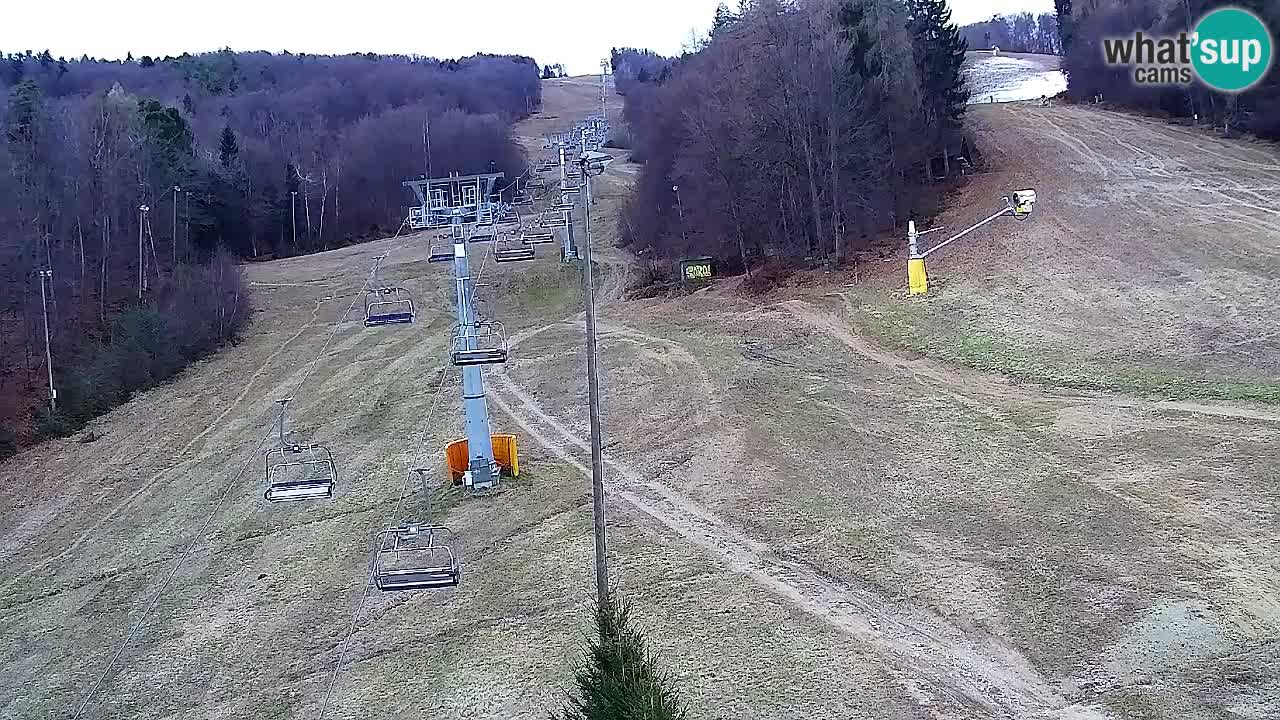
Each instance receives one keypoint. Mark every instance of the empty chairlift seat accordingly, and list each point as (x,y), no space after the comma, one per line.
(512,253)
(483,343)
(300,472)
(441,250)
(389,305)
(416,557)
(537,238)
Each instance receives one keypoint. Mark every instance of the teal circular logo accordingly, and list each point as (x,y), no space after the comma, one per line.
(1231,49)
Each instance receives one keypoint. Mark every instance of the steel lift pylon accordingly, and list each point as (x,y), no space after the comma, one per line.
(467,203)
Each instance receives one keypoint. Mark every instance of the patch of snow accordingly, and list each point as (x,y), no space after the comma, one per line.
(1001,60)
(1018,89)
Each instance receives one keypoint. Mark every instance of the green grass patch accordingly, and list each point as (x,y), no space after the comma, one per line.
(908,325)
(546,289)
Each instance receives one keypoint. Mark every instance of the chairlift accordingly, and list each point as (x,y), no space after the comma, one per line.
(384,304)
(537,238)
(388,306)
(441,253)
(512,253)
(481,343)
(417,556)
(482,234)
(298,471)
(553,221)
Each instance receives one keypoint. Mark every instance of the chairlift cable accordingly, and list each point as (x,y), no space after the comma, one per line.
(226,492)
(343,645)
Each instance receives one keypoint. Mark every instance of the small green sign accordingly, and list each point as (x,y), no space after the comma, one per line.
(697,269)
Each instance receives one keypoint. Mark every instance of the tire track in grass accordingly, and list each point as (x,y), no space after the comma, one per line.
(935,663)
(151,482)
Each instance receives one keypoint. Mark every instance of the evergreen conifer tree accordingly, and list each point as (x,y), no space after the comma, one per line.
(619,678)
(939,54)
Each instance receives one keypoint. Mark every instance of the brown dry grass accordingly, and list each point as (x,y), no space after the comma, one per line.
(815,519)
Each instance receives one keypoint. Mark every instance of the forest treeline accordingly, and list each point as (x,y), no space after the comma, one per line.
(1019,33)
(798,129)
(254,154)
(1086,22)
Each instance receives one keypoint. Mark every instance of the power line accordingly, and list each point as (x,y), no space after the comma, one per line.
(389,522)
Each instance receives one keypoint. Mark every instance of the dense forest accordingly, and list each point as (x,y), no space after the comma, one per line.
(797,129)
(139,182)
(1086,22)
(1019,33)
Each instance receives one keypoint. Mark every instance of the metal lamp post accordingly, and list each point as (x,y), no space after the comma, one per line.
(683,236)
(176,190)
(142,256)
(593,163)
(48,352)
(604,84)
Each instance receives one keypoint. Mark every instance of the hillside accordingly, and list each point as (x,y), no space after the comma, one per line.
(1044,491)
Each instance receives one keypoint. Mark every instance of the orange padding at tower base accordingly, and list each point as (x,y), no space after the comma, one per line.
(457,460)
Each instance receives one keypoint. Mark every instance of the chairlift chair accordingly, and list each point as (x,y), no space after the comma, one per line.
(512,253)
(482,233)
(440,252)
(416,557)
(553,221)
(482,343)
(537,238)
(298,471)
(388,305)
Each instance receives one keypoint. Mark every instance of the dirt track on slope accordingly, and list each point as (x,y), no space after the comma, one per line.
(813,516)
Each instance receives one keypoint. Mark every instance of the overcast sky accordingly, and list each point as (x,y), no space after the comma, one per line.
(579,33)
